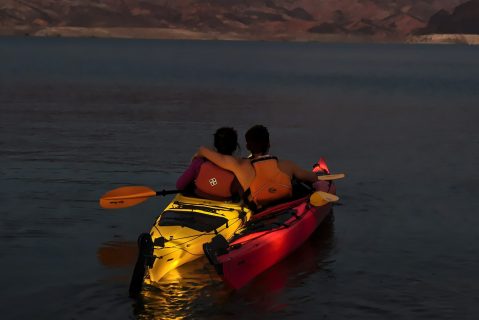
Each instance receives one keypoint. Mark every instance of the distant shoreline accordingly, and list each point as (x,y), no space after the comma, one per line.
(470,39)
(183,34)
(178,34)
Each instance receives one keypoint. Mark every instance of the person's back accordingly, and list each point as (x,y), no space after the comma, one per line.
(215,183)
(209,180)
(270,183)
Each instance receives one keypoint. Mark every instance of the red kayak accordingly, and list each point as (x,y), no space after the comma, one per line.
(268,238)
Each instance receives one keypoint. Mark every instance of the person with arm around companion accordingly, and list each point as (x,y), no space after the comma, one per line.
(209,180)
(264,176)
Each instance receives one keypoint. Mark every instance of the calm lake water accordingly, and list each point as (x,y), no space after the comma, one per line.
(80,117)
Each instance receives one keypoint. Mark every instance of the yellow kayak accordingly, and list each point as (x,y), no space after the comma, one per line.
(178,235)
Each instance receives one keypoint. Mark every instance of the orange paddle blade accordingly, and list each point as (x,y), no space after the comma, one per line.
(320,198)
(125,197)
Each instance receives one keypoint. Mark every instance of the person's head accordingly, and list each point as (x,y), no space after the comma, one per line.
(226,140)
(257,139)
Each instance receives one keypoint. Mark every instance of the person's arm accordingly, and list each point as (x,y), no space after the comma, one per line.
(300,173)
(221,160)
(243,170)
(190,174)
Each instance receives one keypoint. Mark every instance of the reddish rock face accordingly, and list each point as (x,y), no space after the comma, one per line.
(255,18)
(464,19)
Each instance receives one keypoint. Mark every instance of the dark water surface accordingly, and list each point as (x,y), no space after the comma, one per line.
(81,117)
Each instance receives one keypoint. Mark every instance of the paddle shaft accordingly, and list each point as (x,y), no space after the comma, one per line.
(166,192)
(144,194)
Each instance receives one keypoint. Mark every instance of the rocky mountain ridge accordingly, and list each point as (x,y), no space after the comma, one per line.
(463,20)
(256,19)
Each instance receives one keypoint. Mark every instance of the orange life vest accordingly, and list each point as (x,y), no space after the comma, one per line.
(270,183)
(214,182)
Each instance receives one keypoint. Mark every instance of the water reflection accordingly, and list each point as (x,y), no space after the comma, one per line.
(308,259)
(195,290)
(266,292)
(115,254)
(182,293)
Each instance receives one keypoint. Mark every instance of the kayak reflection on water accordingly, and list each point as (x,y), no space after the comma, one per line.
(312,255)
(117,254)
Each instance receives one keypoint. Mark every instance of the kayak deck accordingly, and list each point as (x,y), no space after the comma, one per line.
(180,231)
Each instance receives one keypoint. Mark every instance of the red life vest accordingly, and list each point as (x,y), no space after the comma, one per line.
(270,183)
(214,182)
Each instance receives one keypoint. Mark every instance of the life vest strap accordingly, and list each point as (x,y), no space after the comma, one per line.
(263,158)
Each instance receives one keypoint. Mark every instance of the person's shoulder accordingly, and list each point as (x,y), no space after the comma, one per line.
(230,160)
(286,162)
(244,161)
(198,160)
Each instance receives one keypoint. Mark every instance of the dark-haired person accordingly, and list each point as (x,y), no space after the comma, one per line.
(209,180)
(266,178)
